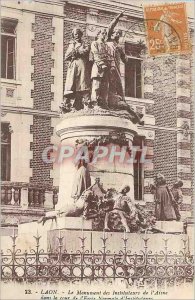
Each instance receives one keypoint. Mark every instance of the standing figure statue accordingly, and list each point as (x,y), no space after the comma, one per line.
(164,200)
(178,196)
(116,55)
(77,84)
(105,82)
(116,97)
(82,180)
(107,88)
(100,70)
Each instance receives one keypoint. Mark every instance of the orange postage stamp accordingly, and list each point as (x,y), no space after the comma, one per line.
(167,29)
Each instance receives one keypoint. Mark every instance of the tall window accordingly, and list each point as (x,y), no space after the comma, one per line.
(5,151)
(8,49)
(133,80)
(138,169)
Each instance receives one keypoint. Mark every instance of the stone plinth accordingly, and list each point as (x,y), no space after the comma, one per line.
(191,235)
(60,223)
(112,174)
(27,231)
(24,242)
(170,226)
(72,229)
(12,215)
(135,243)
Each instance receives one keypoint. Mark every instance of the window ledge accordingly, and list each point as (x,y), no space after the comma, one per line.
(11,81)
(140,100)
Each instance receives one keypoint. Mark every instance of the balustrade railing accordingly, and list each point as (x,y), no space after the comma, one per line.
(19,194)
(36,197)
(10,195)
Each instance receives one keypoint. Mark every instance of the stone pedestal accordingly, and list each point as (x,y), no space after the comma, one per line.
(60,223)
(170,226)
(112,173)
(94,243)
(27,231)
(74,229)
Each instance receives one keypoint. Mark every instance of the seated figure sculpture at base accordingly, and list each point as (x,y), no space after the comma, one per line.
(123,206)
(178,196)
(109,210)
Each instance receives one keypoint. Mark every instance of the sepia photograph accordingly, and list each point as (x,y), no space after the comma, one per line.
(97,150)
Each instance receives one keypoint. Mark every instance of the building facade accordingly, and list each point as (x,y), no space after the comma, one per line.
(35,35)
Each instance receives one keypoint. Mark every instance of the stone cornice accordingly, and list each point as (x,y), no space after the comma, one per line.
(113,6)
(141,101)
(131,10)
(155,127)
(116,7)
(29,111)
(51,8)
(18,210)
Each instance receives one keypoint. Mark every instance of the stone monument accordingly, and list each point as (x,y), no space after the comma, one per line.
(95,115)
(97,129)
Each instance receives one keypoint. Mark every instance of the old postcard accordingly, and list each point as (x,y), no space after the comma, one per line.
(97,150)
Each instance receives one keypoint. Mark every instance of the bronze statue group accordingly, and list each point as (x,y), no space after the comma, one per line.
(93,79)
(115,210)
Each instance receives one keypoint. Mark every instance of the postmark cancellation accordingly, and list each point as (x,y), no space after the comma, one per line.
(167,29)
